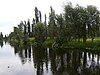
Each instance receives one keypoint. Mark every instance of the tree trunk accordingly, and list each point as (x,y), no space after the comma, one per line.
(92,39)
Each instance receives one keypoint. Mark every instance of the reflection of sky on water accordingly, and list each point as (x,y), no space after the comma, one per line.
(8,58)
(16,69)
(31,61)
(90,61)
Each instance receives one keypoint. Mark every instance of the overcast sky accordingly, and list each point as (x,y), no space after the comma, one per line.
(14,11)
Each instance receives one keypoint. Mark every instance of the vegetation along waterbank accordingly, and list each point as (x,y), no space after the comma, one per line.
(76,27)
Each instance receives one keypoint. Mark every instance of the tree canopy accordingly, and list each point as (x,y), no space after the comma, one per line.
(74,23)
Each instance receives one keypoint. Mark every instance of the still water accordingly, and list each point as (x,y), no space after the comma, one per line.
(29,60)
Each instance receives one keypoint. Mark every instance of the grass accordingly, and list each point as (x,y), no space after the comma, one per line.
(95,45)
(48,43)
(31,40)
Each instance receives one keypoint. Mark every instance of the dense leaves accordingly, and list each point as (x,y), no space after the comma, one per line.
(74,23)
(39,32)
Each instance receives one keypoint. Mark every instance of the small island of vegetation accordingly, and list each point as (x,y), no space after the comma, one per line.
(76,27)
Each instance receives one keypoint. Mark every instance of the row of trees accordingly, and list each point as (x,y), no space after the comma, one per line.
(74,23)
(26,30)
(82,22)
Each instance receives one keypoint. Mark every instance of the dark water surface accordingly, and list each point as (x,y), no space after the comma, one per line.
(28,60)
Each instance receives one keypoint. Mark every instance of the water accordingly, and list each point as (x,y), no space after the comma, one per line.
(29,60)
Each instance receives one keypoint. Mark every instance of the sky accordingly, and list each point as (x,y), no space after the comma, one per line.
(14,11)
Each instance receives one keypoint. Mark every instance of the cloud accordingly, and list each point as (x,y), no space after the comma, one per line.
(4,24)
(13,11)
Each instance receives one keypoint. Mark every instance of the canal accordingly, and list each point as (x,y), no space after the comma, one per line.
(29,60)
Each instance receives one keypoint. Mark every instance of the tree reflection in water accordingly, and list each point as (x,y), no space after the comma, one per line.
(70,62)
(24,52)
(61,61)
(1,44)
(40,57)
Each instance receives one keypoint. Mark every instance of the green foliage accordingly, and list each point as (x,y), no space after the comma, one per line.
(81,22)
(88,45)
(29,33)
(52,27)
(32,40)
(48,42)
(18,35)
(70,29)
(39,32)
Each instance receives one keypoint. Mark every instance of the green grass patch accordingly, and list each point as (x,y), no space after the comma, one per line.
(31,40)
(48,42)
(95,45)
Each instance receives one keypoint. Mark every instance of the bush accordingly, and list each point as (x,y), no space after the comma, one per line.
(49,42)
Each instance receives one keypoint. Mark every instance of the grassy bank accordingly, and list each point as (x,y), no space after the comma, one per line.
(95,45)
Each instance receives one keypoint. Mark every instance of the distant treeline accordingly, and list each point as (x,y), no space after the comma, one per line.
(74,23)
